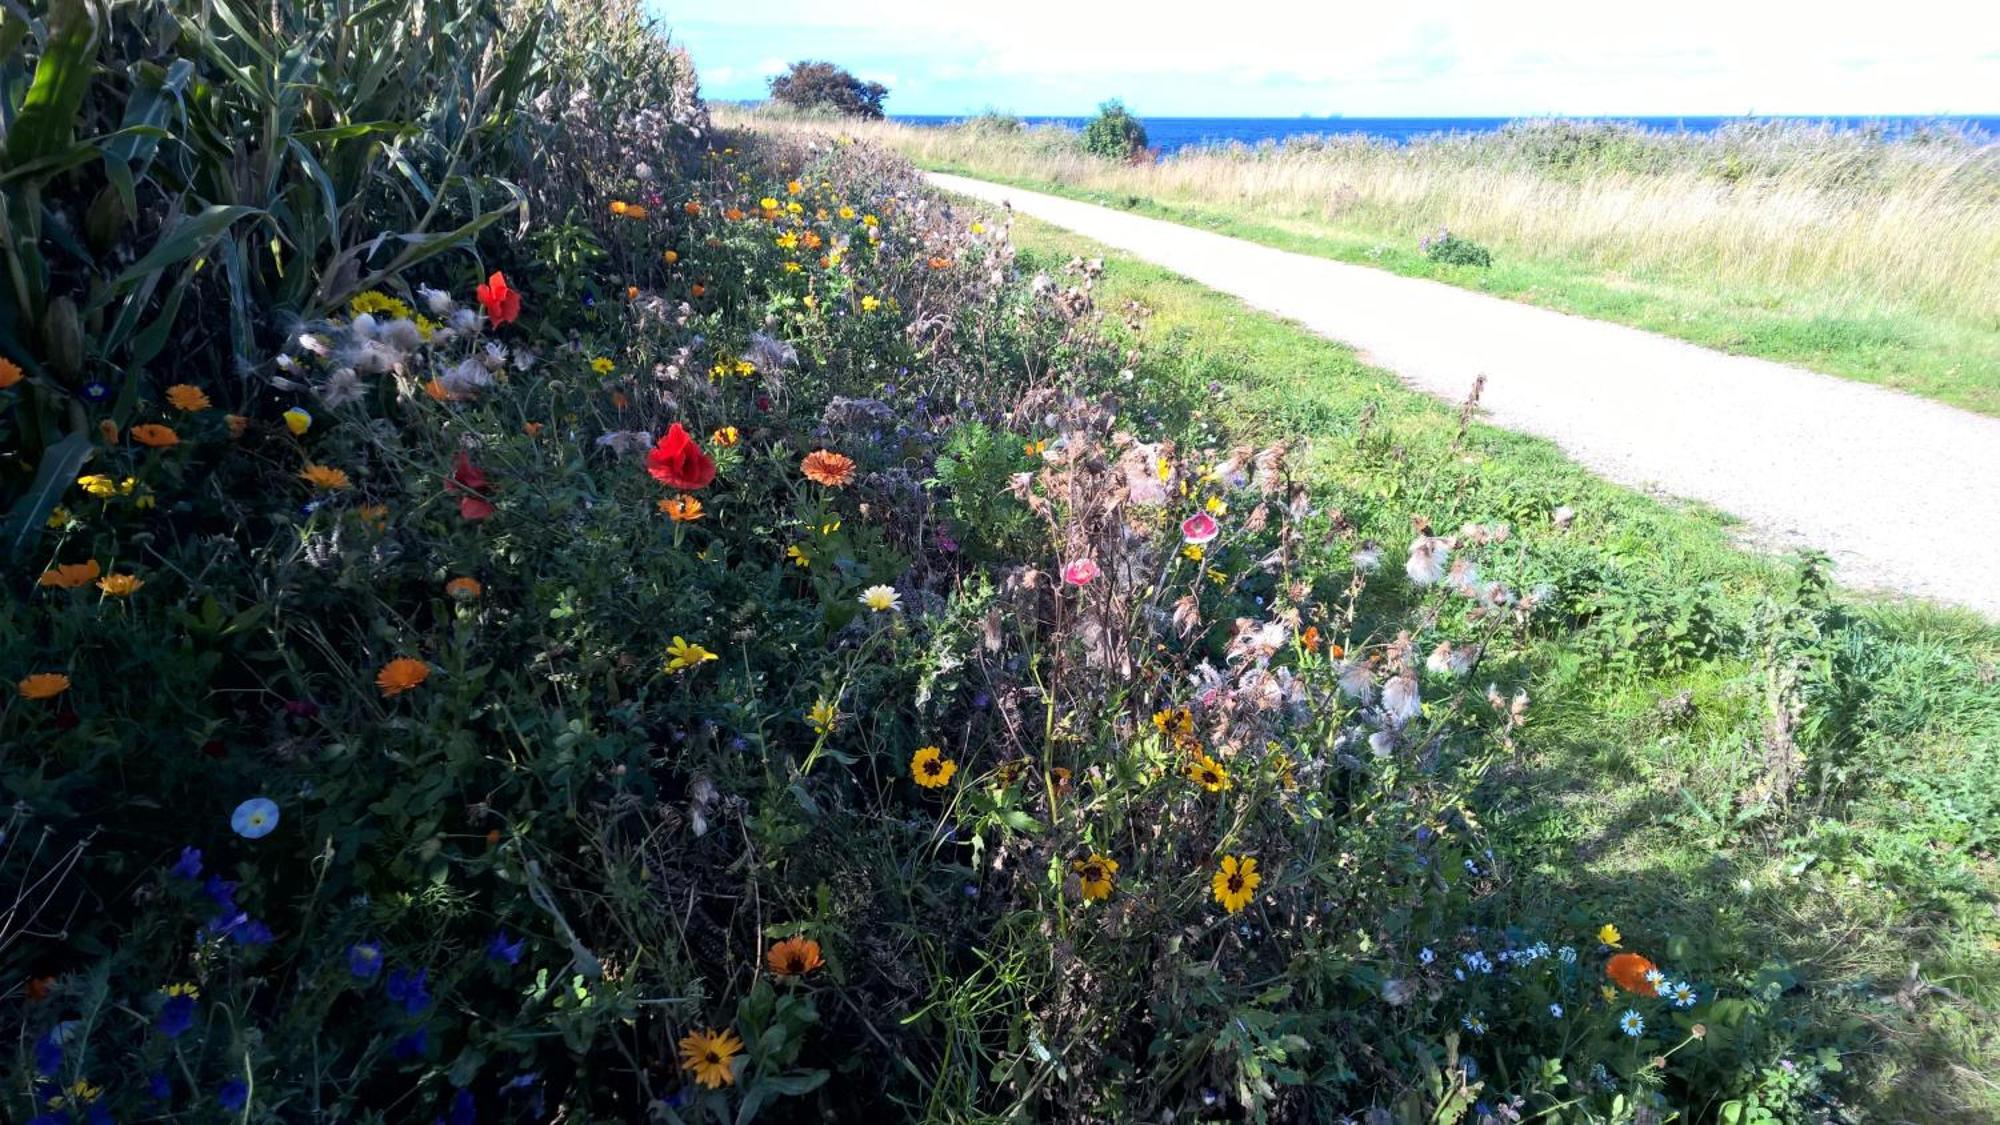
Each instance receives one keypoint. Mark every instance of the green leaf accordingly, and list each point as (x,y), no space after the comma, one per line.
(184,239)
(47,121)
(53,477)
(1020,821)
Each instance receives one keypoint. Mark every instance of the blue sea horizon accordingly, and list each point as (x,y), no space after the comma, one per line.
(1168,134)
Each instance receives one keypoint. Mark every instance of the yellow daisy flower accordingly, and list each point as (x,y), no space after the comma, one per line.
(682,656)
(1235,882)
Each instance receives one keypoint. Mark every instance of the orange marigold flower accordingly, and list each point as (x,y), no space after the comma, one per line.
(682,509)
(794,957)
(734,214)
(464,589)
(831,469)
(707,1055)
(672,256)
(10,373)
(120,585)
(532,429)
(634,211)
(691,207)
(188,397)
(43,685)
(1310,638)
(402,674)
(155,435)
(618,207)
(70,576)
(725,437)
(1628,971)
(697,290)
(631,292)
(324,476)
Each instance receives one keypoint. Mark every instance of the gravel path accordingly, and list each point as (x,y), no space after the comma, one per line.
(1903,493)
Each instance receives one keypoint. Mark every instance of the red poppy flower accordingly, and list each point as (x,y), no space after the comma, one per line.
(679,463)
(502,303)
(470,480)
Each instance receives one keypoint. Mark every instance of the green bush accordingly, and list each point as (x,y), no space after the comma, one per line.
(1114,133)
(1451,250)
(823,87)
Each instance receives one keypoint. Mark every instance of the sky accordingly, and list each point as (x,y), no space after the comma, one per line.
(1385,58)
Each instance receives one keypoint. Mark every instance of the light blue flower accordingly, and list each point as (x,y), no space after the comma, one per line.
(1425,956)
(1568,954)
(1475,1023)
(1632,1023)
(255,818)
(1556,1010)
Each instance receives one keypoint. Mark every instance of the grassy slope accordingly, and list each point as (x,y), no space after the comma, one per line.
(1951,361)
(1626,807)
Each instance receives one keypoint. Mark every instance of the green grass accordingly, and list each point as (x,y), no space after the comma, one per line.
(1637,798)
(1955,361)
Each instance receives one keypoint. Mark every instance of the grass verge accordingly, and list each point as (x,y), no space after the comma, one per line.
(1857,894)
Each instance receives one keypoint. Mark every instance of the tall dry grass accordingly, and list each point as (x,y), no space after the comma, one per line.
(1905,224)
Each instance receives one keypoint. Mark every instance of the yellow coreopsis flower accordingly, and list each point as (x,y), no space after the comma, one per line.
(1235,882)
(870,304)
(97,484)
(931,768)
(1209,774)
(1609,935)
(1094,876)
(602,365)
(682,656)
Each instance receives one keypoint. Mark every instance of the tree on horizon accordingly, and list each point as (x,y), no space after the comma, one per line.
(815,85)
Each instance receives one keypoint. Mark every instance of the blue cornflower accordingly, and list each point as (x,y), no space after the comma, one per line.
(48,1056)
(1556,1010)
(500,949)
(410,1046)
(364,959)
(177,1014)
(188,866)
(252,932)
(97,1114)
(409,990)
(463,1110)
(52,1117)
(159,1088)
(232,1094)
(96,390)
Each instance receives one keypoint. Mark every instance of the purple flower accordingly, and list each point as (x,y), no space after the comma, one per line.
(159,1088)
(500,949)
(176,1016)
(252,932)
(188,866)
(221,892)
(410,1046)
(48,1055)
(463,1110)
(232,1094)
(364,959)
(409,989)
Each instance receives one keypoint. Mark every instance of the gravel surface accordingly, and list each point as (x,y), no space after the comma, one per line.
(1902,493)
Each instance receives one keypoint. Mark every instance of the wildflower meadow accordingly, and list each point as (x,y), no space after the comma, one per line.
(525,607)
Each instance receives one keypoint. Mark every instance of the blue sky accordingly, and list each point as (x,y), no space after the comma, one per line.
(1384,58)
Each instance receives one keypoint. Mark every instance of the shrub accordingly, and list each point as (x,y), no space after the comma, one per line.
(1451,250)
(823,87)
(1114,133)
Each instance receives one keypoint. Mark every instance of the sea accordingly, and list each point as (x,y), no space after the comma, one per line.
(1167,134)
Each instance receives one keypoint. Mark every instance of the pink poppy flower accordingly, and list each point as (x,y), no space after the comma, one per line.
(1081,572)
(1199,528)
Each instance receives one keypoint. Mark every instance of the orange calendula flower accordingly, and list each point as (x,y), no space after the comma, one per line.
(1310,638)
(402,674)
(155,435)
(833,470)
(681,509)
(794,957)
(691,207)
(10,373)
(70,576)
(188,398)
(725,437)
(671,256)
(708,1055)
(1235,882)
(324,476)
(697,290)
(43,685)
(532,429)
(120,585)
(931,768)
(464,589)
(1628,971)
